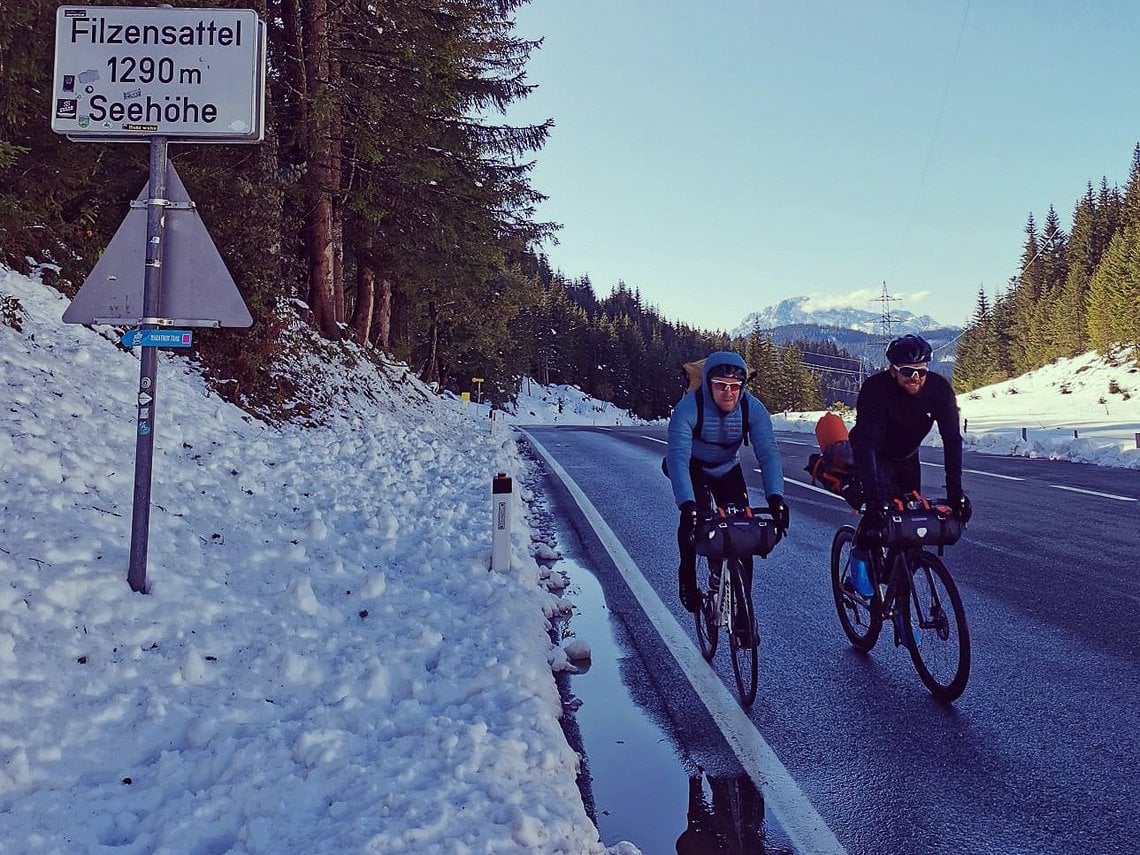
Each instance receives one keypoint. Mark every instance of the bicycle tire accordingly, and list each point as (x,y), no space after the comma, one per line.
(934,627)
(745,656)
(707,617)
(860,618)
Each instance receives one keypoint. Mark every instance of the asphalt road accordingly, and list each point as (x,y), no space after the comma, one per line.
(850,751)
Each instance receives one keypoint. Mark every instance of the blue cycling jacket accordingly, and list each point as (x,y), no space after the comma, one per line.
(718,447)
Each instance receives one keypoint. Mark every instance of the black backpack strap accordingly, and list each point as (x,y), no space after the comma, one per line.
(700,412)
(744,415)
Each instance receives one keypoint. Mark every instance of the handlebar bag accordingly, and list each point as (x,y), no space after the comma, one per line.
(733,535)
(934,526)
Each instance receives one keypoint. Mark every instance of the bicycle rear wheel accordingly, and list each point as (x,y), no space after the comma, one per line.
(743,642)
(858,616)
(935,630)
(707,617)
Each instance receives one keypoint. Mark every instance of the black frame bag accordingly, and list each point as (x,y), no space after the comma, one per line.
(720,535)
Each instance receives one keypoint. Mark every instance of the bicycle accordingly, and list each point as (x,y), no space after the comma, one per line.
(912,588)
(724,537)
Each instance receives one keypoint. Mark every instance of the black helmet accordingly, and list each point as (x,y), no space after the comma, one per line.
(728,371)
(909,350)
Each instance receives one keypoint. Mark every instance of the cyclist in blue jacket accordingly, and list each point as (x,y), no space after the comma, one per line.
(705,463)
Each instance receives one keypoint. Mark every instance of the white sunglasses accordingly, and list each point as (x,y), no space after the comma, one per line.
(726,385)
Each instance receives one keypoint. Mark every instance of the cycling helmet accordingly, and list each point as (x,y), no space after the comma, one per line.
(909,350)
(728,372)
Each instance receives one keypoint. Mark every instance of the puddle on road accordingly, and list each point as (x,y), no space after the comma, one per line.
(634,778)
(636,784)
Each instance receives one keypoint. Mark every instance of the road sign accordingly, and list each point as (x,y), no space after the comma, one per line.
(157,338)
(197,291)
(124,72)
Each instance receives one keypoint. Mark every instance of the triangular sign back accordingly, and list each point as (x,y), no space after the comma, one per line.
(197,289)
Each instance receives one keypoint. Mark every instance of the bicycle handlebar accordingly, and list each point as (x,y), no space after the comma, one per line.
(724,513)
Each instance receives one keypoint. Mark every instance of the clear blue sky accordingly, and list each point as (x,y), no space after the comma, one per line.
(723,155)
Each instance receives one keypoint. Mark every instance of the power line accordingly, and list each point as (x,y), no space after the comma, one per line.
(850,372)
(933,138)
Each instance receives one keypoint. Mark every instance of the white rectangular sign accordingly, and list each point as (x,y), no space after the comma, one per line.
(194,74)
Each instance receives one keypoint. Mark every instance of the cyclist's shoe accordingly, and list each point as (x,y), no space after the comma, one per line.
(690,594)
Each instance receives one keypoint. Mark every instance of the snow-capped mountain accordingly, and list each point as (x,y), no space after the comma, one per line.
(809,310)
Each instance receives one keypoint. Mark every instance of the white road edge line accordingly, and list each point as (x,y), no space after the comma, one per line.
(993,475)
(808,486)
(1093,493)
(805,827)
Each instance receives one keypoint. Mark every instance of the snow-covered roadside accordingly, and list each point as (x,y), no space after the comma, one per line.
(324,661)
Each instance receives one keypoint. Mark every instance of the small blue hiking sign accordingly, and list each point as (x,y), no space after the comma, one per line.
(157,338)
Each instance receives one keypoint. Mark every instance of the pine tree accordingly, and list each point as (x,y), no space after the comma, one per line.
(1114,290)
(1068,327)
(978,361)
(1026,294)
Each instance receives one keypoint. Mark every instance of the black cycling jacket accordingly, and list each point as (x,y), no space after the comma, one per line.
(890,424)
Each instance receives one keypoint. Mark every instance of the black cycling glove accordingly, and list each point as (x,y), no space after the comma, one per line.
(687,527)
(779,510)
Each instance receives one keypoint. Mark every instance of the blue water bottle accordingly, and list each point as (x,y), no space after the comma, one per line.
(861,572)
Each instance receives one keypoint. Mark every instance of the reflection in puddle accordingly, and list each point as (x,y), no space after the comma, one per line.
(726,817)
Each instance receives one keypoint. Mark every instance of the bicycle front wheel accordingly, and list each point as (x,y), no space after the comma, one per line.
(743,638)
(708,616)
(860,620)
(935,630)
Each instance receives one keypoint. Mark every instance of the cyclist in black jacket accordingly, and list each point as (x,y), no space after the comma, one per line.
(895,411)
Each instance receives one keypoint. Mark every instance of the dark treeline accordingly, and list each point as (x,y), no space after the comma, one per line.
(384,198)
(1077,291)
(618,349)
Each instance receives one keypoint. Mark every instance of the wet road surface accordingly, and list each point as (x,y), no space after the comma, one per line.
(1034,757)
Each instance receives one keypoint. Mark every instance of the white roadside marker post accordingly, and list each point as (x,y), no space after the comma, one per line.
(501,522)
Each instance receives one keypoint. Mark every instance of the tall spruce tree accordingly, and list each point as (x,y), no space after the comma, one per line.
(1114,291)
(1068,326)
(1024,300)
(977,361)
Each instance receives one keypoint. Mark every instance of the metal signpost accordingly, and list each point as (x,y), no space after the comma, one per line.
(158,75)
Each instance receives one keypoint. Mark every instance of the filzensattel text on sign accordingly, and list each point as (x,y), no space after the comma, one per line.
(99,31)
